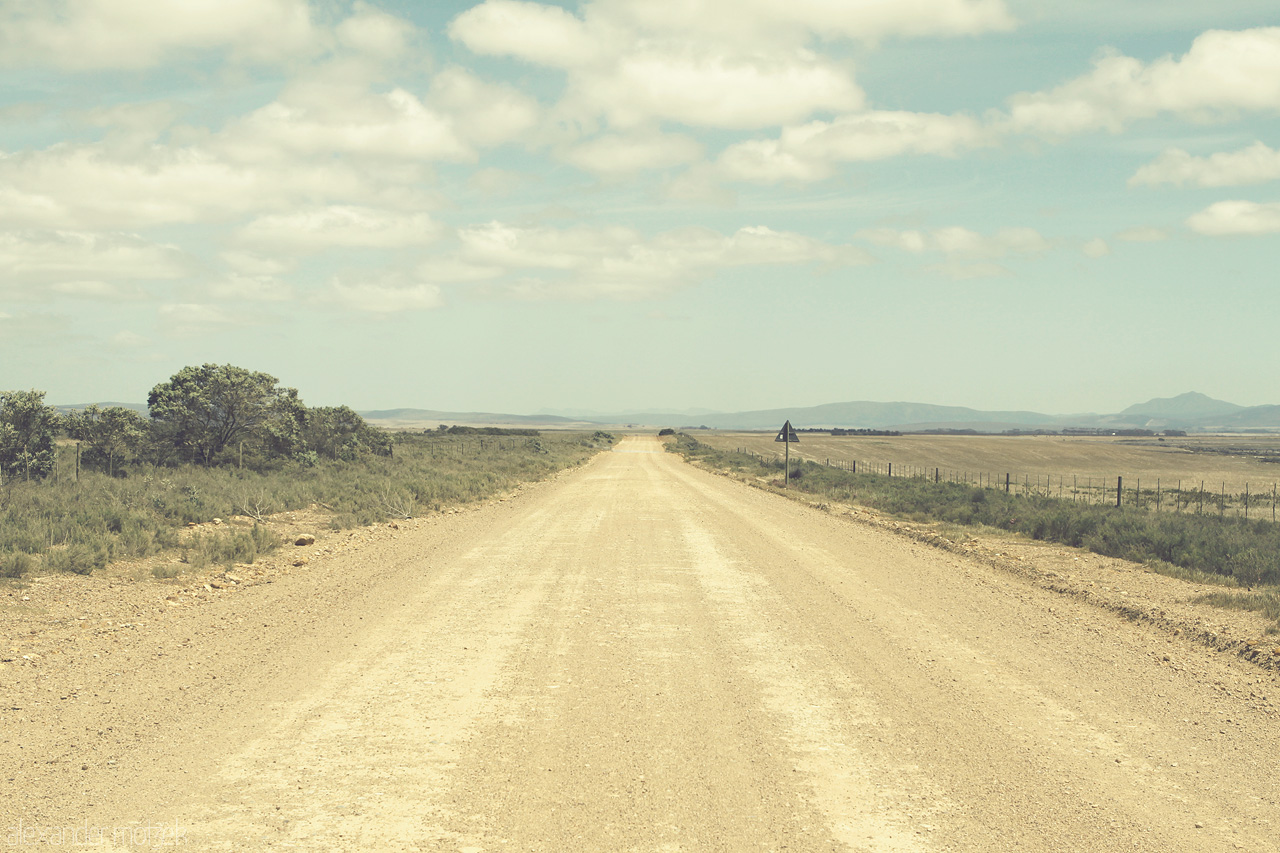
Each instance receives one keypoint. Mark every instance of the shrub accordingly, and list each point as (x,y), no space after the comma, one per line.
(79,558)
(79,526)
(15,564)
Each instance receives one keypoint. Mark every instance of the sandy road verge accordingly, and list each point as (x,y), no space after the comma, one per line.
(640,655)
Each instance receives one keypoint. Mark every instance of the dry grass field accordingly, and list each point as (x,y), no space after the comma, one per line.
(1237,461)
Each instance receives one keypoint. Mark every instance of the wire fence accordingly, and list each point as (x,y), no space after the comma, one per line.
(1162,495)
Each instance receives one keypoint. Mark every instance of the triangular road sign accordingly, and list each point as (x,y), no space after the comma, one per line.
(787,434)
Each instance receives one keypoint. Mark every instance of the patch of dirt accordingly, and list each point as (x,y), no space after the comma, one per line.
(47,619)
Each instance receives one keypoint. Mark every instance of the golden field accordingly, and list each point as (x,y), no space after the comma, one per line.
(1236,461)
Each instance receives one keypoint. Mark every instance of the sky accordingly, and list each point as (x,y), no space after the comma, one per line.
(629,205)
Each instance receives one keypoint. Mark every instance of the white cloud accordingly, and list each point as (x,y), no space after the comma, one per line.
(1223,73)
(587,262)
(1253,165)
(252,288)
(763,21)
(548,35)
(95,289)
(390,294)
(482,113)
(1096,248)
(83,35)
(768,161)
(133,126)
(534,32)
(637,70)
(316,119)
(702,86)
(700,184)
(453,270)
(1143,234)
(82,263)
(374,32)
(252,264)
(88,187)
(809,152)
(1237,217)
(962,243)
(338,226)
(91,186)
(967,254)
(618,154)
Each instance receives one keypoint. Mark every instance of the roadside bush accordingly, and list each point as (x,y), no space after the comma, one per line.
(79,558)
(79,526)
(15,564)
(229,547)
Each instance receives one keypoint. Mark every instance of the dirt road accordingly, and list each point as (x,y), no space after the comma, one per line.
(641,656)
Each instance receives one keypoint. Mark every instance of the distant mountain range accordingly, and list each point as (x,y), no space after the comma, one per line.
(1192,411)
(431,418)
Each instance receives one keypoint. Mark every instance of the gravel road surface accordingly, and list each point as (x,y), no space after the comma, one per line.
(643,656)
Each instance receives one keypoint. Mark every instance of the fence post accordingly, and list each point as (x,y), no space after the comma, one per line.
(1119,481)
(1006,483)
(935,475)
(1246,501)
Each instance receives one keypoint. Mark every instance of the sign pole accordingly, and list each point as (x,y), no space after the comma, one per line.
(786,462)
(786,435)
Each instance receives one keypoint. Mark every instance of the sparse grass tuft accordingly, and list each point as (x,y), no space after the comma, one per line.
(1265,602)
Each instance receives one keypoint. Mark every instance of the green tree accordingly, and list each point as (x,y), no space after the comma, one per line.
(27,431)
(337,432)
(204,410)
(114,434)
